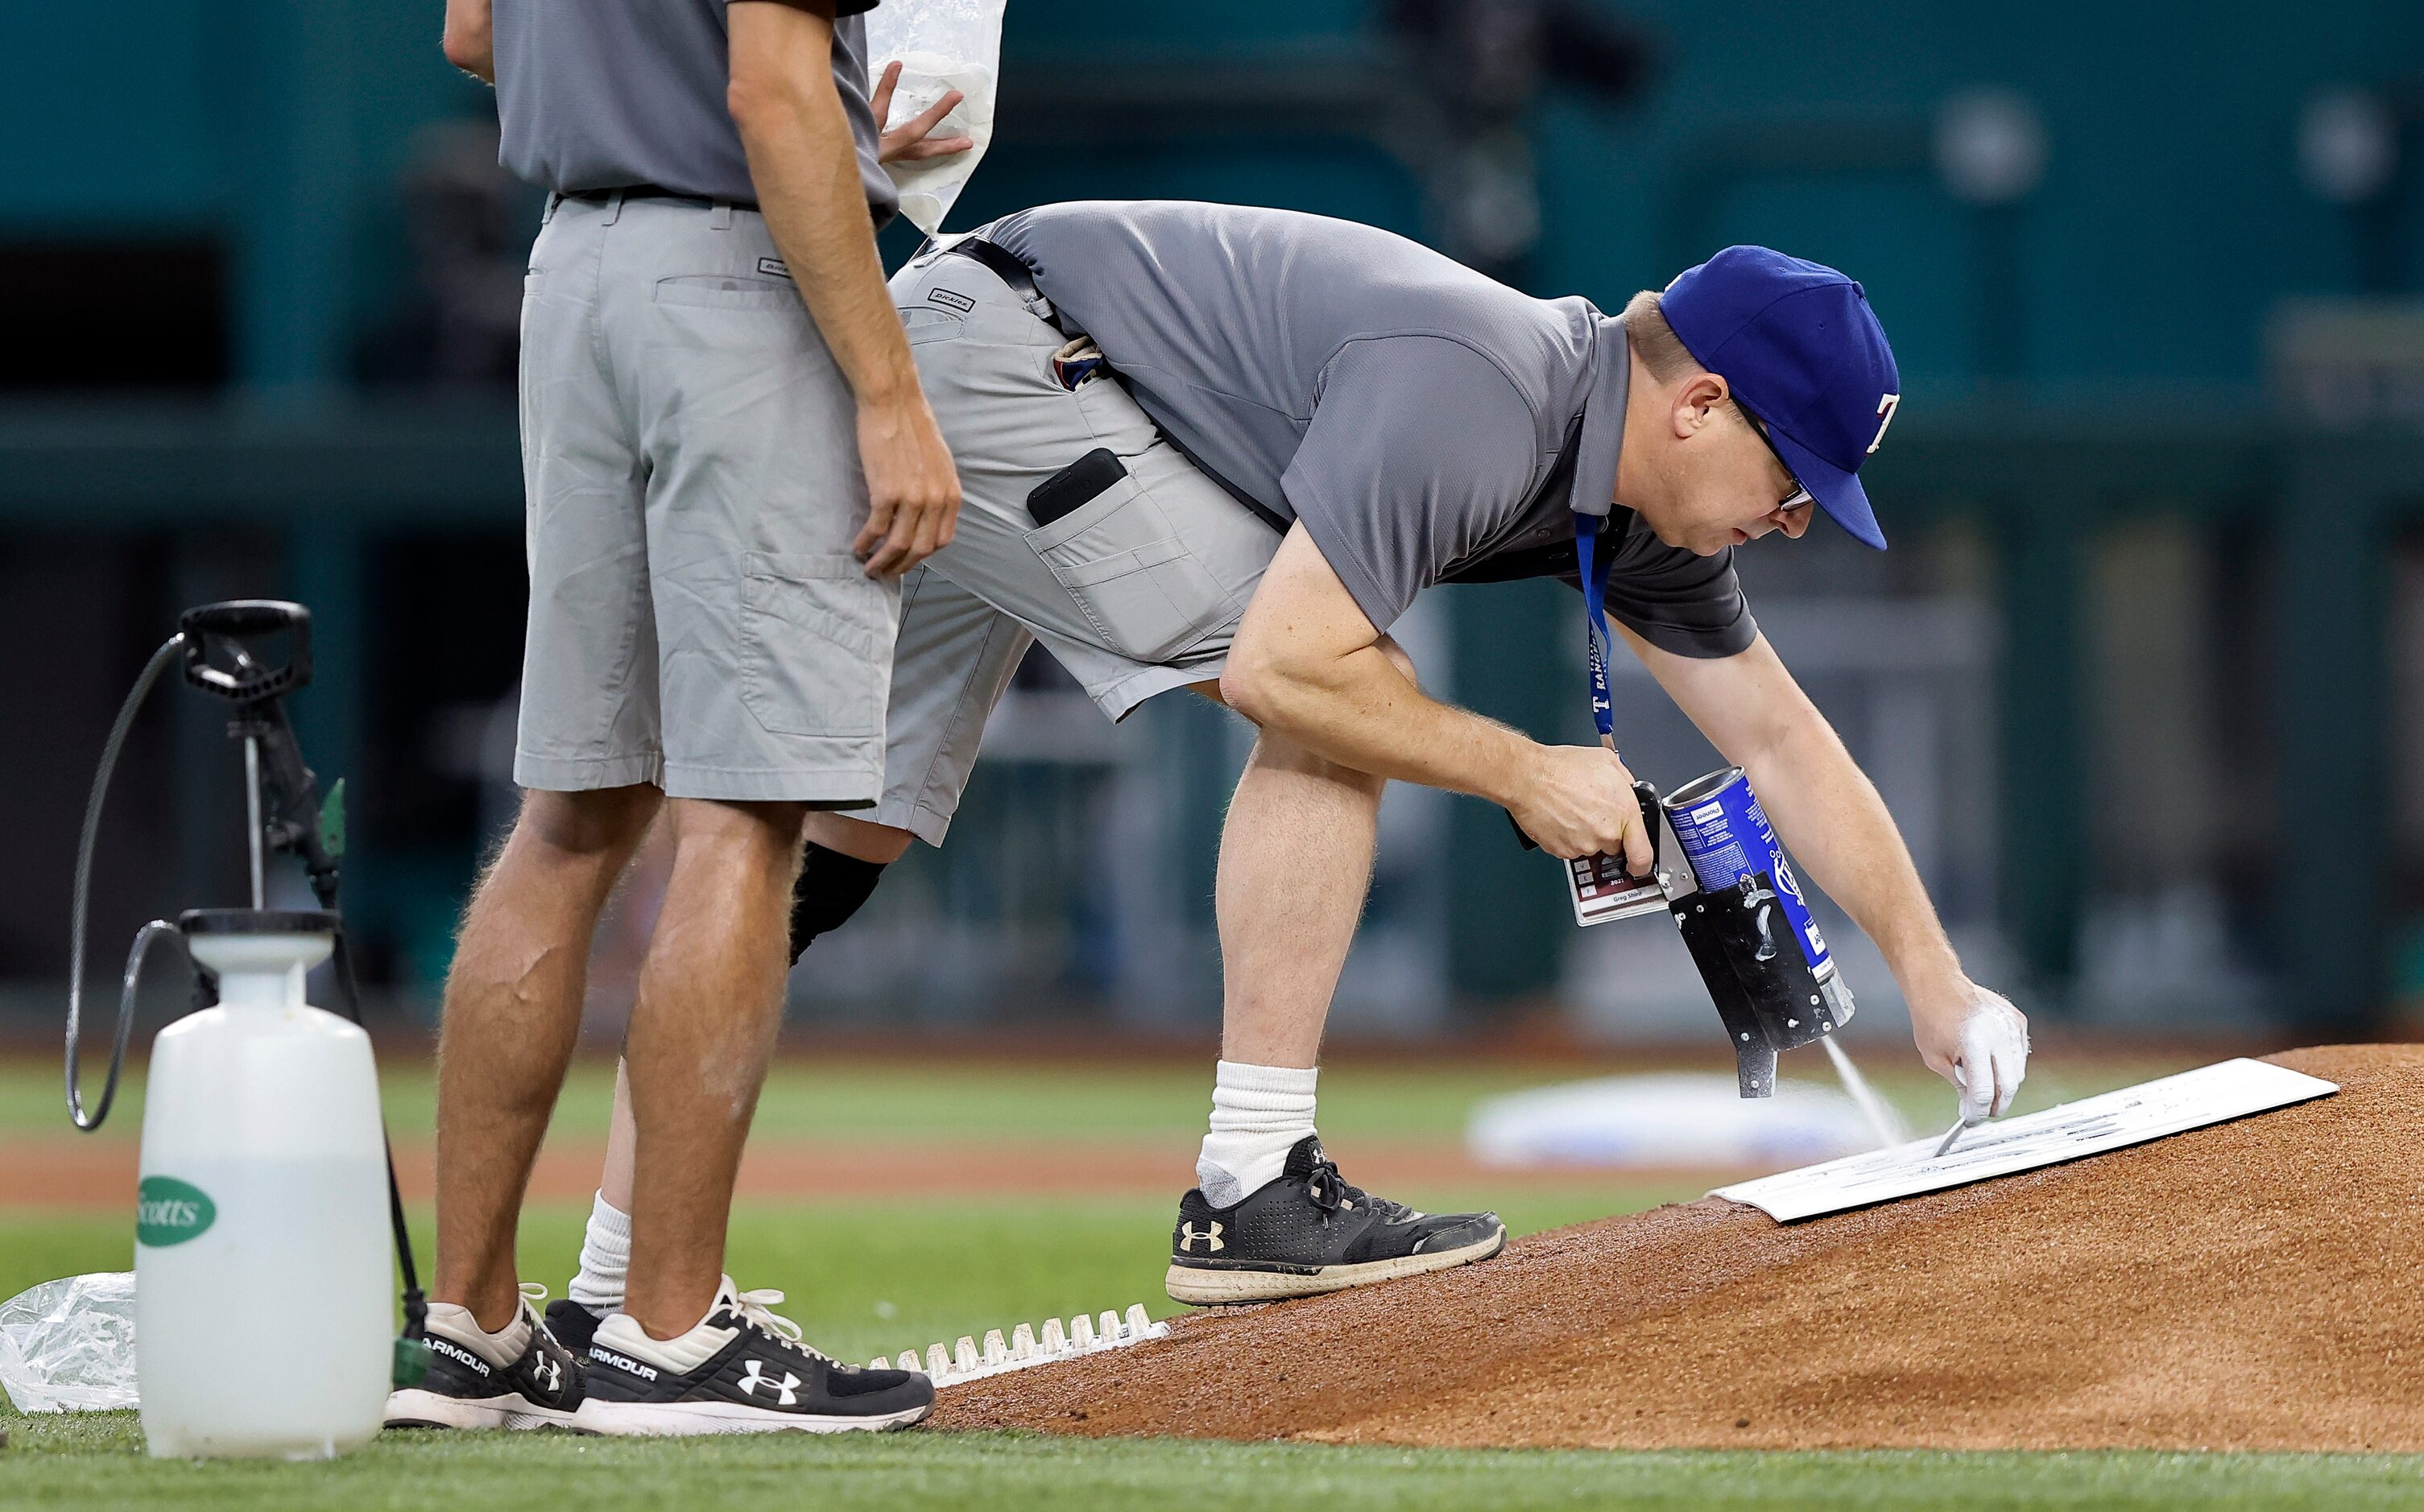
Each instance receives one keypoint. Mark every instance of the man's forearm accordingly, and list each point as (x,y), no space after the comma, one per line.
(805,169)
(469,40)
(1829,813)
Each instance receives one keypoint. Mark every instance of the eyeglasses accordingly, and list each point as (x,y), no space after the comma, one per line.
(1800,498)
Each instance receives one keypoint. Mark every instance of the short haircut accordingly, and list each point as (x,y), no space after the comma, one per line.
(1661,351)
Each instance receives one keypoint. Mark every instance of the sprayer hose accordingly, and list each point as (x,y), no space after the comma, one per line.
(150,932)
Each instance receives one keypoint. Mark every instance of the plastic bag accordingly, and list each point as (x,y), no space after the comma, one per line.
(68,1346)
(941,45)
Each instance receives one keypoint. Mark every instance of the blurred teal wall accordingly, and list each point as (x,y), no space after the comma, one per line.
(2170,217)
(113,119)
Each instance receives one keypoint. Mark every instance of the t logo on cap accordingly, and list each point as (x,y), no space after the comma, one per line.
(1802,351)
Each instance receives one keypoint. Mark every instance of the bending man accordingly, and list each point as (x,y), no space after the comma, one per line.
(1222,449)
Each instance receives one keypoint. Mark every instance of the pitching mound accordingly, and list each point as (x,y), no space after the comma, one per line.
(2256,1285)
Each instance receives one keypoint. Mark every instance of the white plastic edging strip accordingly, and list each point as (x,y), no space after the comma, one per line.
(2133,1115)
(946,1365)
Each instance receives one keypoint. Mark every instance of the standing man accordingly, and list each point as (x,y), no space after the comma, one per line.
(1311,423)
(729,462)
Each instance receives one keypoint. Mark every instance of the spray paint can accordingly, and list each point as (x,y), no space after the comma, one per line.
(1726,836)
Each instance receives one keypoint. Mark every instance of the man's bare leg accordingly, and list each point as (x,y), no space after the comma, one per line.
(710,999)
(856,838)
(1296,862)
(512,1013)
(1296,859)
(622,1146)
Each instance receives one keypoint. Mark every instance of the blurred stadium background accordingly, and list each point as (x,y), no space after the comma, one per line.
(2142,679)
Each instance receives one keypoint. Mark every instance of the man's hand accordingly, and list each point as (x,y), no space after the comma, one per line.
(913,141)
(1843,840)
(1578,800)
(1975,1040)
(806,169)
(913,493)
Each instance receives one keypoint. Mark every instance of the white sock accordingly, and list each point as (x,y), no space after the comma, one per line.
(605,1256)
(501,1349)
(682,1352)
(1258,1114)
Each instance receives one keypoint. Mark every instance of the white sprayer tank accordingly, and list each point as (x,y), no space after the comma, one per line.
(264,1309)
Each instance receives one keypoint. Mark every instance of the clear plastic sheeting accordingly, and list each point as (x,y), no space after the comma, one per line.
(941,45)
(68,1346)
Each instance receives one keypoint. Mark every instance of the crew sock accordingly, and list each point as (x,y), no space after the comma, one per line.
(605,1257)
(684,1351)
(501,1349)
(1259,1115)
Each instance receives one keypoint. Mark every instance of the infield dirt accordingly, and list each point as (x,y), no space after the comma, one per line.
(2255,1285)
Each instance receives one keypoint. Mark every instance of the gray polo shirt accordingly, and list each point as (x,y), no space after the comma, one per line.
(613,94)
(1425,423)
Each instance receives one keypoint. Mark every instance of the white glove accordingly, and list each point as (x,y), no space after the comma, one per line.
(1991,1057)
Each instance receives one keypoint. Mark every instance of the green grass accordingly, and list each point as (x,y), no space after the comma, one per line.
(810,1099)
(863,1277)
(92,1462)
(869,1277)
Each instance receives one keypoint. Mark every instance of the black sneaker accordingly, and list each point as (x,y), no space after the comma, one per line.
(573,1326)
(757,1377)
(1309,1232)
(464,1389)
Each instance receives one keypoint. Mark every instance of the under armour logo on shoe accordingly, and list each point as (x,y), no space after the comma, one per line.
(1188,1233)
(550,1374)
(753,1374)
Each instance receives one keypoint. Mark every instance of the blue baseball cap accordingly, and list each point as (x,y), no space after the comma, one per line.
(1802,351)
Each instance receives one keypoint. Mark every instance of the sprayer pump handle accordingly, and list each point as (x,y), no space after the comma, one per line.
(242,619)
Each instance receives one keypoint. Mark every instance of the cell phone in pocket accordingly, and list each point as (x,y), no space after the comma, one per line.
(1075,485)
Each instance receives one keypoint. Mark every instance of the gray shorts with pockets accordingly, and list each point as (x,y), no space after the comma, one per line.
(1136,592)
(690,457)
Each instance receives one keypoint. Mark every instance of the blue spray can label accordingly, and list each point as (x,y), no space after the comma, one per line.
(1726,836)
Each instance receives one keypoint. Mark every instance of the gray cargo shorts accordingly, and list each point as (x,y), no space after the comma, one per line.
(690,457)
(1137,592)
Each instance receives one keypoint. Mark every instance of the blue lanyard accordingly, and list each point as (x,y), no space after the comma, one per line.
(1595,627)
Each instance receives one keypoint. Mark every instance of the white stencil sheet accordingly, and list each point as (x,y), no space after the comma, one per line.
(2133,1115)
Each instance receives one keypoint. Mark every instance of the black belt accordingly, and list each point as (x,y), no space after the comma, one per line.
(1017,275)
(1020,277)
(650,191)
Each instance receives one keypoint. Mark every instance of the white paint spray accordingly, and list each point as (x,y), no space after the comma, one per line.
(1883,1120)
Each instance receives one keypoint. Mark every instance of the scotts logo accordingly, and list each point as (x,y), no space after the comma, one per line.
(168,1211)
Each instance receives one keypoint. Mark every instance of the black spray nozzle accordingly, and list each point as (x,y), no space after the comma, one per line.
(220,657)
(224,655)
(1766,994)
